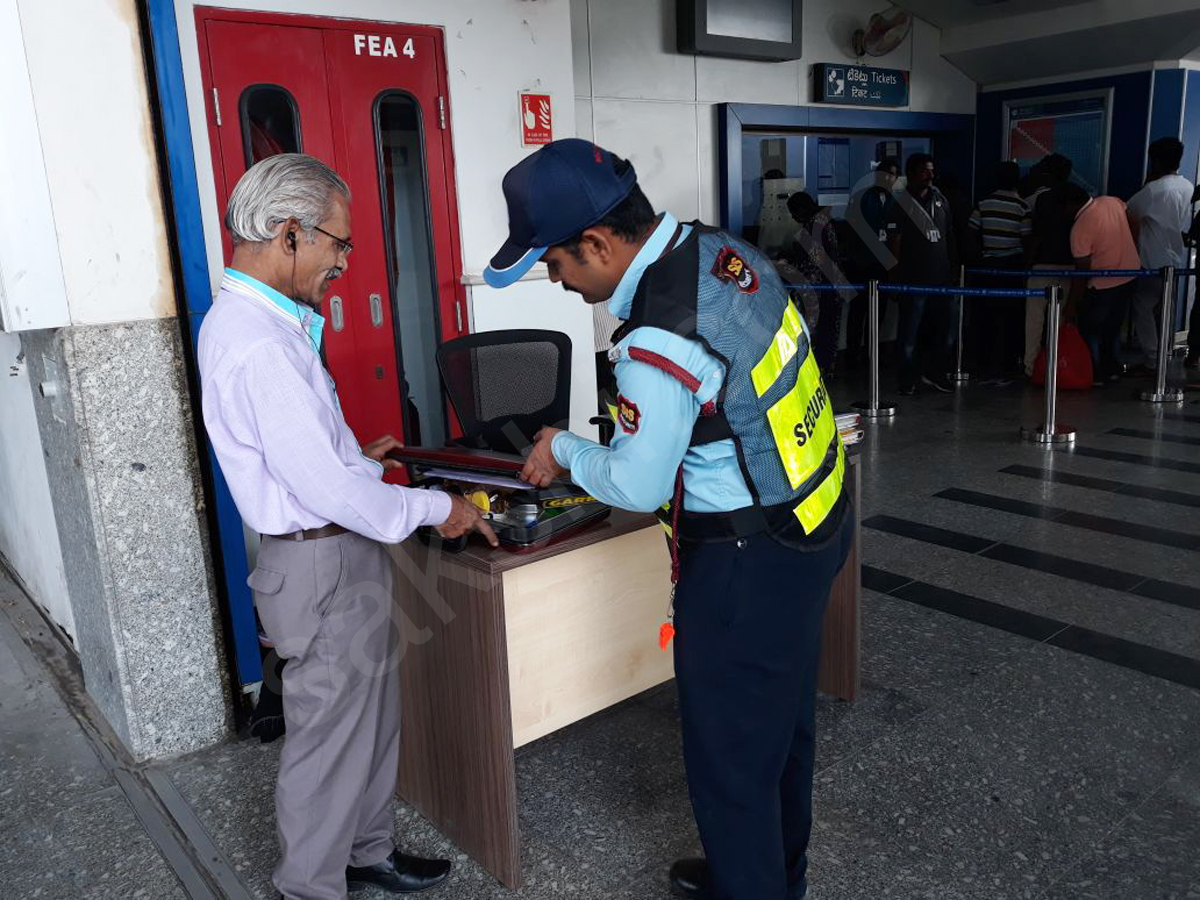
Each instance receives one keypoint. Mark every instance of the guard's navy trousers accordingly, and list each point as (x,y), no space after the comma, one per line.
(748,617)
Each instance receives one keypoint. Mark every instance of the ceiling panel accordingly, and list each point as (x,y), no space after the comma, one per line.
(949,13)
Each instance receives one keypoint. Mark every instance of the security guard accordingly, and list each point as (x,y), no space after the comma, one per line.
(722,416)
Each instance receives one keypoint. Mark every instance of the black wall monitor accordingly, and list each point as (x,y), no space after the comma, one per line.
(750,29)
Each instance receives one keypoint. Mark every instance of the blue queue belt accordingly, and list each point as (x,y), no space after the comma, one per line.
(1076,273)
(922,289)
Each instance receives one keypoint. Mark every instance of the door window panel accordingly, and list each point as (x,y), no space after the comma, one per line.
(409,244)
(270,122)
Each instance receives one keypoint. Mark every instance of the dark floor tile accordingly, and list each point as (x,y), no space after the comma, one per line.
(1169,592)
(1089,573)
(985,612)
(1180,417)
(1163,664)
(1004,504)
(1162,495)
(1136,531)
(1058,476)
(1156,436)
(930,534)
(884,582)
(1140,459)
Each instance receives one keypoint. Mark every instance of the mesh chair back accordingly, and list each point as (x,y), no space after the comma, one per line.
(505,385)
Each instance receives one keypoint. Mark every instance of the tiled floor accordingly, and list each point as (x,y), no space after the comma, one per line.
(980,762)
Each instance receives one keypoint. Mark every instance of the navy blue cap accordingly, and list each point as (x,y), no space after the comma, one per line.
(552,195)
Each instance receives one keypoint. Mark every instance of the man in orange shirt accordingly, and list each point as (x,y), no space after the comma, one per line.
(1101,239)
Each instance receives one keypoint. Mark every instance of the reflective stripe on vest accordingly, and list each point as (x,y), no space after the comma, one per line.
(801,421)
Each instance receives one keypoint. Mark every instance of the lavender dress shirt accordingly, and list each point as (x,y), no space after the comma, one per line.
(277,428)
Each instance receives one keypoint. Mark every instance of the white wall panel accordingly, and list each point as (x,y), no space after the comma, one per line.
(583,118)
(32,294)
(633,51)
(28,531)
(660,140)
(93,110)
(720,80)
(706,157)
(579,38)
(936,83)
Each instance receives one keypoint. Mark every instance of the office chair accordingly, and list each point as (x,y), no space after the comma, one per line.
(505,385)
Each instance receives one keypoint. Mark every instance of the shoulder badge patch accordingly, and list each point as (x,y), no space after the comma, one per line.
(731,267)
(628,414)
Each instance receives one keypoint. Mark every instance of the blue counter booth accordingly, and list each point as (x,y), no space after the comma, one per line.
(835,156)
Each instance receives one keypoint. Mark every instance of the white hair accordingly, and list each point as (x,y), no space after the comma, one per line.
(278,188)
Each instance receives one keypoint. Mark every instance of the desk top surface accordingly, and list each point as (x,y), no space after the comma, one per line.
(478,555)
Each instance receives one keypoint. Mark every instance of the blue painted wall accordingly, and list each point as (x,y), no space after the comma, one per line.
(1127,149)
(1191,128)
(228,545)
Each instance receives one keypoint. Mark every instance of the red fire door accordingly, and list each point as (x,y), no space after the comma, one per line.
(369,99)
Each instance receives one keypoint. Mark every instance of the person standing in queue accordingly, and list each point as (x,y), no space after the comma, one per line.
(721,412)
(323,580)
(869,213)
(922,237)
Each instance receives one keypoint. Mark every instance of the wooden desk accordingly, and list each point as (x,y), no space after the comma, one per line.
(505,648)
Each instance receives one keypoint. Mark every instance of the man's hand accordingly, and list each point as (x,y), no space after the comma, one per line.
(541,467)
(378,450)
(465,516)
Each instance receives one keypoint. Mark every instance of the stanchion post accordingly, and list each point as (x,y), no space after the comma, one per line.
(1050,431)
(1166,335)
(959,376)
(873,408)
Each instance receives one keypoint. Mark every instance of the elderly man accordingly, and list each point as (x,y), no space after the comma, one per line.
(323,582)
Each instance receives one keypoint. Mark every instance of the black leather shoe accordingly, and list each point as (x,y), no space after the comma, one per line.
(398,874)
(689,877)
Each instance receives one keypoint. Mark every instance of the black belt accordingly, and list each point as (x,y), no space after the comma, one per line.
(311,534)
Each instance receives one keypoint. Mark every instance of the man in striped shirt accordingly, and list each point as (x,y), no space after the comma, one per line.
(1002,225)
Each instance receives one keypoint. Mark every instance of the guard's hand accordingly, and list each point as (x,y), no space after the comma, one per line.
(465,516)
(378,450)
(541,467)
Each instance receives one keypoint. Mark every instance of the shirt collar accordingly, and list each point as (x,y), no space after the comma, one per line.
(621,302)
(311,321)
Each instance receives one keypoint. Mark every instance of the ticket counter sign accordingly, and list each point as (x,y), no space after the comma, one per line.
(859,85)
(537,125)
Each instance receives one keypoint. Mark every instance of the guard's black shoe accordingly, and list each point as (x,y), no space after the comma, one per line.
(907,388)
(689,877)
(398,874)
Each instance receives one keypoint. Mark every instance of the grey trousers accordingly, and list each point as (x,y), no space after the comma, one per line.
(327,605)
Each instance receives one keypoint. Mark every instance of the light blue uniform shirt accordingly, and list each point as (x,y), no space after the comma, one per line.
(637,471)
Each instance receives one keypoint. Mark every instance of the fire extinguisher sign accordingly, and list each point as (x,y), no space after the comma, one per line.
(537,120)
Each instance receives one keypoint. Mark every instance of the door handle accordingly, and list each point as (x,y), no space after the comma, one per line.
(377,310)
(337,317)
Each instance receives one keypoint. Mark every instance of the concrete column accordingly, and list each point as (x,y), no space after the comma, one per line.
(116,425)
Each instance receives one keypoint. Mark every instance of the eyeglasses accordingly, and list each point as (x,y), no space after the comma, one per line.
(343,245)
